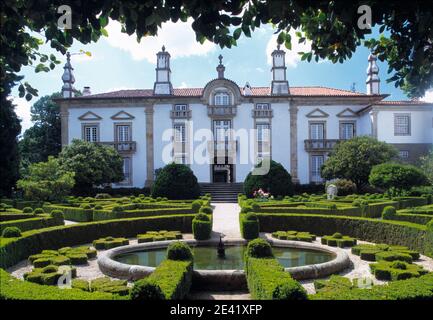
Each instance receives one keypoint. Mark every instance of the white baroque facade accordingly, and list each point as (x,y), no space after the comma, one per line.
(222,130)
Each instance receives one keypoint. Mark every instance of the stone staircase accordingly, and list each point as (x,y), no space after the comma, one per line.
(222,192)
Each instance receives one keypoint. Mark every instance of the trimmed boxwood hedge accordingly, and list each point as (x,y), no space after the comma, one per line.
(72,213)
(412,235)
(171,280)
(412,289)
(249,226)
(414,218)
(16,289)
(266,277)
(100,215)
(7,216)
(202,226)
(14,250)
(31,224)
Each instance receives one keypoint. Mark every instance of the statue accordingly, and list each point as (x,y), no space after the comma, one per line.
(221,250)
(331,191)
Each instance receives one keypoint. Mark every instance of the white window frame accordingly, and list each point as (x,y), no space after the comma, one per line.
(400,128)
(315,171)
(91,132)
(222,99)
(179,132)
(343,124)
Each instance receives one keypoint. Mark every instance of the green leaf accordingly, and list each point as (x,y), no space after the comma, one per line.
(237,33)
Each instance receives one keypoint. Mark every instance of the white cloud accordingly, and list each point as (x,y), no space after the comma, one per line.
(292,56)
(428,96)
(183,85)
(22,109)
(258,69)
(178,38)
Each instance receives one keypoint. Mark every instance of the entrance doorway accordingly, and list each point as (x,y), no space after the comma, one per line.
(222,173)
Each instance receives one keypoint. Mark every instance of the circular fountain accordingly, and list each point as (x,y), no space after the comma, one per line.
(213,270)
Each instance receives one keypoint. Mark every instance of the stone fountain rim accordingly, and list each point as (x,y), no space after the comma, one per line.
(120,270)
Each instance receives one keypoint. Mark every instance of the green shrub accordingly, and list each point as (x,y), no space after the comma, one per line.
(171,280)
(411,289)
(48,275)
(38,211)
(146,289)
(105,284)
(11,232)
(201,226)
(277,181)
(179,251)
(338,240)
(294,236)
(109,243)
(176,181)
(196,205)
(28,210)
(259,248)
(397,270)
(384,252)
(411,235)
(398,176)
(249,226)
(206,210)
(266,278)
(58,215)
(389,213)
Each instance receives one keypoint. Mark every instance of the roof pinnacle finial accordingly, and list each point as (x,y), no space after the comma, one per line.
(68,78)
(278,46)
(163,48)
(220,68)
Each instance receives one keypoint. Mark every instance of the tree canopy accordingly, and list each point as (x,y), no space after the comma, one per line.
(43,139)
(47,181)
(353,159)
(93,164)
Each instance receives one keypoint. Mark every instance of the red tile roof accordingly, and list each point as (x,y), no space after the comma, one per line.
(256,91)
(403,102)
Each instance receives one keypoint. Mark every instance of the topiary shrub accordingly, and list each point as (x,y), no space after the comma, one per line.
(249,226)
(201,226)
(430,226)
(179,250)
(27,210)
(206,210)
(389,213)
(396,270)
(259,248)
(276,181)
(146,289)
(196,205)
(176,181)
(39,211)
(58,215)
(11,232)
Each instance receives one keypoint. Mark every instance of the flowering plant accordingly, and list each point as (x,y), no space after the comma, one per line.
(261,195)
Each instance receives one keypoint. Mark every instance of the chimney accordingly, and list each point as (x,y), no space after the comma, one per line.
(68,79)
(86,91)
(163,84)
(373,81)
(220,68)
(279,85)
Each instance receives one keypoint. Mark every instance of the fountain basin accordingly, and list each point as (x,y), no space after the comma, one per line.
(224,276)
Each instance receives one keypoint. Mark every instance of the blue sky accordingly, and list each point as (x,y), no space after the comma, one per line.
(119,62)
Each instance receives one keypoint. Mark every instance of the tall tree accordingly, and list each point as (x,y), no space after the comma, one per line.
(93,164)
(427,166)
(10,128)
(353,159)
(43,139)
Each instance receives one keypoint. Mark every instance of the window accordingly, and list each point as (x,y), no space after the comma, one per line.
(179,132)
(222,99)
(316,164)
(127,165)
(401,124)
(180,107)
(263,132)
(263,106)
(91,133)
(347,130)
(403,154)
(123,133)
(317,131)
